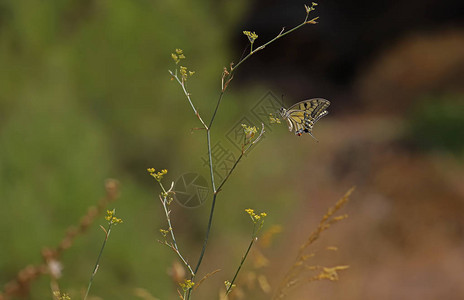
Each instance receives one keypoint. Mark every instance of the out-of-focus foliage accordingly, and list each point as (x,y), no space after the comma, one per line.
(86,95)
(438,124)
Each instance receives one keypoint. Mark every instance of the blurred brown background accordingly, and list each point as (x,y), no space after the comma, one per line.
(86,95)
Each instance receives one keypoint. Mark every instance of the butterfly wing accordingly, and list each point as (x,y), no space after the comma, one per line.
(295,120)
(303,115)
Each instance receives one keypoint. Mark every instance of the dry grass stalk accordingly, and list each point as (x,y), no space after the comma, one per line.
(293,278)
(204,278)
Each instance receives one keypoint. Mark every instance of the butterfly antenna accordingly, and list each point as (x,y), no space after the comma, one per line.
(277,113)
(311,134)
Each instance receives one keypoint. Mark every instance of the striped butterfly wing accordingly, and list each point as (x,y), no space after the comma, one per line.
(303,115)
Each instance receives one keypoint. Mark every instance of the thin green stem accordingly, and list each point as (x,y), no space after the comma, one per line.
(216,109)
(210,220)
(171,230)
(216,191)
(208,229)
(280,35)
(227,77)
(241,264)
(240,157)
(95,269)
(184,89)
(210,159)
(205,242)
(230,172)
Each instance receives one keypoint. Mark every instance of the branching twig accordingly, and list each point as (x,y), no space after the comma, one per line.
(173,245)
(227,77)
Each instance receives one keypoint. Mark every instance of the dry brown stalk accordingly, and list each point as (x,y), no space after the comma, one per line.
(292,278)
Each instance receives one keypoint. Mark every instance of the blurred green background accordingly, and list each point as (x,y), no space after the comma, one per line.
(85,95)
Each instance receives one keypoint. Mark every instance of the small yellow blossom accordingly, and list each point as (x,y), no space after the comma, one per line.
(187,284)
(252,36)
(274,119)
(249,131)
(61,296)
(111,218)
(109,214)
(115,220)
(185,73)
(157,175)
(175,58)
(256,217)
(227,284)
(178,55)
(310,8)
(169,197)
(164,232)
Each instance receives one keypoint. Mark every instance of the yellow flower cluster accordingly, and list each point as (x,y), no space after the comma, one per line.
(60,296)
(185,73)
(310,8)
(274,119)
(157,175)
(111,218)
(249,131)
(178,56)
(252,36)
(255,217)
(164,232)
(186,285)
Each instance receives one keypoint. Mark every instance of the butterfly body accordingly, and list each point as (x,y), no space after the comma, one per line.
(302,116)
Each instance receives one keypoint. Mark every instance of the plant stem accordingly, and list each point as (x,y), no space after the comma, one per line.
(230,172)
(216,109)
(280,35)
(229,77)
(240,266)
(210,159)
(208,229)
(182,84)
(174,243)
(95,269)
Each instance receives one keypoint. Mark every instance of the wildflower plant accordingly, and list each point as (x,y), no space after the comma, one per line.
(166,197)
(252,134)
(112,221)
(258,222)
